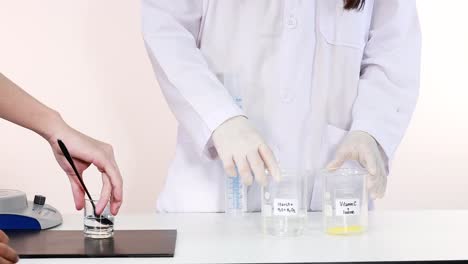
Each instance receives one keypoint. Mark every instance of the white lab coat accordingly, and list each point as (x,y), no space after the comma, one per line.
(309,72)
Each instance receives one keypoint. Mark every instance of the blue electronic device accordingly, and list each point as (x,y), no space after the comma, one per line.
(16,212)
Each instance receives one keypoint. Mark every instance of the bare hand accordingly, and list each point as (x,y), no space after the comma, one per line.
(7,254)
(86,151)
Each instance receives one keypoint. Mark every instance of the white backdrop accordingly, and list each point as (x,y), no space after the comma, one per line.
(87,60)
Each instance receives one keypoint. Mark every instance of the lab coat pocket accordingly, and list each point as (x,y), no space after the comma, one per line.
(343,27)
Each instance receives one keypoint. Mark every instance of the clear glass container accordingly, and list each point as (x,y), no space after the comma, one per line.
(97,226)
(345,202)
(284,207)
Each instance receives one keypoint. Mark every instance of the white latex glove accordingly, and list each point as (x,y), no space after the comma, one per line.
(362,147)
(239,145)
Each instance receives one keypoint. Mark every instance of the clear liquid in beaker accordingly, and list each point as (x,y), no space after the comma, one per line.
(284,225)
(94,227)
(284,210)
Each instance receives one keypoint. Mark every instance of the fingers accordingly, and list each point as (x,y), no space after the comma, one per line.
(371,183)
(7,254)
(107,165)
(270,161)
(244,170)
(357,146)
(106,190)
(116,182)
(382,188)
(4,261)
(377,184)
(258,167)
(117,189)
(368,161)
(3,237)
(78,192)
(373,186)
(340,158)
(229,166)
(376,179)
(255,163)
(77,189)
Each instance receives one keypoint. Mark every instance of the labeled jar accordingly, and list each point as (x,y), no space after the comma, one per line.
(345,201)
(284,207)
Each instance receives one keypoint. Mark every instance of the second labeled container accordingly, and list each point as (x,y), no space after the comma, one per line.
(345,202)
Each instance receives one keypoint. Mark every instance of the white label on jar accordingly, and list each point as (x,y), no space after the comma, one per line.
(285,207)
(347,207)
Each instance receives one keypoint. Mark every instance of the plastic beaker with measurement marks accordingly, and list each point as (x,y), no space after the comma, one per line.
(345,202)
(236,192)
(235,196)
(284,207)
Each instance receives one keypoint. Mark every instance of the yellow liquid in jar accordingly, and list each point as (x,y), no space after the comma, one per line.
(345,230)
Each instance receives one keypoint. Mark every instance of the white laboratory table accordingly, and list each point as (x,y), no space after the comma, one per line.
(217,238)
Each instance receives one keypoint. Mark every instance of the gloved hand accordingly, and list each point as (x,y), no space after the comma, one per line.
(239,145)
(7,254)
(362,147)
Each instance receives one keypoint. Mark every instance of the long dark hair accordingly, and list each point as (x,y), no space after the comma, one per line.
(354,4)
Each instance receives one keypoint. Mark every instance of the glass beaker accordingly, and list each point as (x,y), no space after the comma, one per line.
(345,206)
(94,226)
(284,207)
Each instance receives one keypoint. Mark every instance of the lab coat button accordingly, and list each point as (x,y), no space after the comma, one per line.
(292,22)
(287,97)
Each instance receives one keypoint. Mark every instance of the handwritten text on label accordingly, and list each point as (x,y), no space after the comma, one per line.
(285,207)
(347,207)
